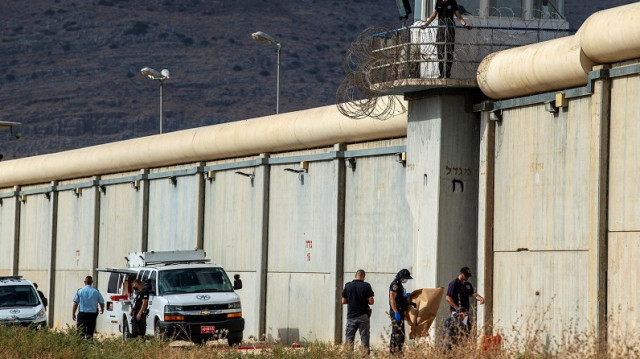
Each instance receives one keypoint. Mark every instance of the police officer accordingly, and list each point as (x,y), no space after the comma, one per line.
(459,291)
(398,305)
(139,311)
(87,299)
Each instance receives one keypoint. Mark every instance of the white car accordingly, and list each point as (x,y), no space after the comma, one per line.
(20,303)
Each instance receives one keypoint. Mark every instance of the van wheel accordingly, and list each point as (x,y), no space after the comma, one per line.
(126,333)
(234,340)
(158,334)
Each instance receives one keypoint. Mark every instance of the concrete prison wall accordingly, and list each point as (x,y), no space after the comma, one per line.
(296,225)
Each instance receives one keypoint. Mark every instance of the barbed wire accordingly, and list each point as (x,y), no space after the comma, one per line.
(380,61)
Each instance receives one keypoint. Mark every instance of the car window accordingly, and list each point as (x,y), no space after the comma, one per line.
(194,280)
(19,295)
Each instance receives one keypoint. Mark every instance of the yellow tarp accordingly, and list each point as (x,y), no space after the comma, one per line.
(427,302)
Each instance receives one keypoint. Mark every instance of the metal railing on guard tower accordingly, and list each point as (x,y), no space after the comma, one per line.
(395,62)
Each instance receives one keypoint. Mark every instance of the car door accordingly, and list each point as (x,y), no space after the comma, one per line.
(151,277)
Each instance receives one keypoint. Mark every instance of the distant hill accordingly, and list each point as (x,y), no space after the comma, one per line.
(70,69)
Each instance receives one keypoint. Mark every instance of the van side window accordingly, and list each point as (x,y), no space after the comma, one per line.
(112,286)
(152,281)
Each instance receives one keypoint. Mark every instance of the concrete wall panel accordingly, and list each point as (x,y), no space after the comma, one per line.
(541,291)
(300,306)
(34,257)
(120,232)
(74,252)
(624,158)
(7,234)
(233,234)
(120,224)
(302,219)
(378,232)
(542,173)
(377,226)
(302,251)
(622,292)
(173,213)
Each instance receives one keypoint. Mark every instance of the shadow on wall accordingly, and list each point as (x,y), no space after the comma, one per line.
(289,336)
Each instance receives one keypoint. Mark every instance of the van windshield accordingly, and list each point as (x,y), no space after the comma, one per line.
(18,296)
(193,280)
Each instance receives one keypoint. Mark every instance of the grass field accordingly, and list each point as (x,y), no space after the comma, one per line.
(24,343)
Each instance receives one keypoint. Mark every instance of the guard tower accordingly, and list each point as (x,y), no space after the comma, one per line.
(443,131)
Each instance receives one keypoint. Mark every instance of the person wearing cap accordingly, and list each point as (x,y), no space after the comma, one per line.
(460,289)
(398,305)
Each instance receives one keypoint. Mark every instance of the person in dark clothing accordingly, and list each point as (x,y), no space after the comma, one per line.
(358,296)
(446,35)
(459,291)
(139,311)
(43,299)
(454,328)
(398,305)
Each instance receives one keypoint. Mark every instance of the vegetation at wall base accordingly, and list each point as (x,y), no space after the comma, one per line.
(18,343)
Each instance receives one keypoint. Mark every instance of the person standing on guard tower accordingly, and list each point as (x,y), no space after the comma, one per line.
(446,35)
(398,305)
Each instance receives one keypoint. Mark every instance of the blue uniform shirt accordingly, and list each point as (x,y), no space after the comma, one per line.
(88,299)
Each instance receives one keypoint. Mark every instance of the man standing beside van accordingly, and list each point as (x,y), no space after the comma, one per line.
(87,299)
(139,311)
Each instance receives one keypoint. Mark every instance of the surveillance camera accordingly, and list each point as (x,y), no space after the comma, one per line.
(165,73)
(17,135)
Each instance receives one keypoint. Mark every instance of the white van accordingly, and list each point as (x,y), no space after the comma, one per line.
(189,298)
(20,303)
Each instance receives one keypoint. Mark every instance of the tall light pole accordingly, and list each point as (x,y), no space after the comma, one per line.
(261,36)
(10,125)
(161,77)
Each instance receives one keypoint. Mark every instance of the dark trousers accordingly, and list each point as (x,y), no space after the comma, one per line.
(446,38)
(138,327)
(362,324)
(397,337)
(87,323)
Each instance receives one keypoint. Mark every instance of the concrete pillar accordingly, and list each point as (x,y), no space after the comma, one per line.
(264,247)
(200,194)
(143,189)
(442,184)
(339,232)
(484,276)
(53,233)
(96,230)
(598,187)
(16,231)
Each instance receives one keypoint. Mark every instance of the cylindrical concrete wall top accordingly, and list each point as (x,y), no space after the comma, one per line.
(322,126)
(553,64)
(607,36)
(612,35)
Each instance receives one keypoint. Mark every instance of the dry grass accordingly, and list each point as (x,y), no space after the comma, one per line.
(21,343)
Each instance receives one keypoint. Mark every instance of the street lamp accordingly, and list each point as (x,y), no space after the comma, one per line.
(10,125)
(161,77)
(261,36)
